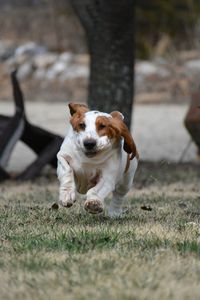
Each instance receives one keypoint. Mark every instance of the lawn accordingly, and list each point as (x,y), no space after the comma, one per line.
(151,252)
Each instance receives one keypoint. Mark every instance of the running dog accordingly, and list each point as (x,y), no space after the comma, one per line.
(98,157)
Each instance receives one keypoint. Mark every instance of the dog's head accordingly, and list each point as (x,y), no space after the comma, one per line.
(97,132)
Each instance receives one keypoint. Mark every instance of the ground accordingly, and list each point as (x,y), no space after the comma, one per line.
(151,252)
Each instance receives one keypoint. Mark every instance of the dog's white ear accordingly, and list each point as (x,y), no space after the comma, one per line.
(74,107)
(117,115)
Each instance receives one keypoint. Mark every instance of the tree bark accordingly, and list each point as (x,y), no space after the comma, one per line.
(109,26)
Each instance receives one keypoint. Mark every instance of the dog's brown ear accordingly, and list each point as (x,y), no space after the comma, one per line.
(117,115)
(74,107)
(129,144)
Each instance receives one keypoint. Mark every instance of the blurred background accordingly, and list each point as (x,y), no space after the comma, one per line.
(46,42)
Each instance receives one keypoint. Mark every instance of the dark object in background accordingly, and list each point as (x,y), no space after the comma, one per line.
(192,120)
(43,143)
(109,26)
(146,207)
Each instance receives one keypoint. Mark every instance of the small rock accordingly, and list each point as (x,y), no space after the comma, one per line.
(40,74)
(29,49)
(45,60)
(59,67)
(55,70)
(66,57)
(193,66)
(16,61)
(25,70)
(20,59)
(146,69)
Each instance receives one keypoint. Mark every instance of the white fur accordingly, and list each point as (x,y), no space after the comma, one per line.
(75,170)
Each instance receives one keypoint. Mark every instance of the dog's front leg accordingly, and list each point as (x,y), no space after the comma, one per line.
(67,192)
(94,203)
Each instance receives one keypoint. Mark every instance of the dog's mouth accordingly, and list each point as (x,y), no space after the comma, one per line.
(91,153)
(95,152)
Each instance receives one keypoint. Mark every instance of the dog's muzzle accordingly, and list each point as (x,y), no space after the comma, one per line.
(89,144)
(90,147)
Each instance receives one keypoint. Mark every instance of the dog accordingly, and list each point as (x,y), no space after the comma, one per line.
(98,156)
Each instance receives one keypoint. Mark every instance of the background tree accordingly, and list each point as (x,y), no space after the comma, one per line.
(109,26)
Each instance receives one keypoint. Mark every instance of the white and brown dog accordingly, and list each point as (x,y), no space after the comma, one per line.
(98,156)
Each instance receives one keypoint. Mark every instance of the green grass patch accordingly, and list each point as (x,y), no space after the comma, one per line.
(76,241)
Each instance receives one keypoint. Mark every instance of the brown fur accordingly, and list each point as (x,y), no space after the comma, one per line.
(116,128)
(74,108)
(109,130)
(117,115)
(112,127)
(96,178)
(77,112)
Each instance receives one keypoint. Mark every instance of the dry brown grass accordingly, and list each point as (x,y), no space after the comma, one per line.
(68,254)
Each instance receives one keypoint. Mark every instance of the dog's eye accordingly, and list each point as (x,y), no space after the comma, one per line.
(101,126)
(82,126)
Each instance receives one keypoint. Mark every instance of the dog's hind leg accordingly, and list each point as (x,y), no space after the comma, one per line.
(115,209)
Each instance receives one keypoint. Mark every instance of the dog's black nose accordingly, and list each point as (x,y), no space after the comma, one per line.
(89,144)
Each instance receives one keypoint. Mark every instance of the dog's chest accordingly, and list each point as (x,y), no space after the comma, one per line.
(86,175)
(86,178)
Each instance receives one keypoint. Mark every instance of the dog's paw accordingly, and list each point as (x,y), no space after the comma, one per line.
(67,199)
(93,206)
(114,213)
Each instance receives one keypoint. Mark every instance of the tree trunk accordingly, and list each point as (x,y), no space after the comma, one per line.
(109,26)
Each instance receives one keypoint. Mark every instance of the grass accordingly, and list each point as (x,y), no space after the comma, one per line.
(69,254)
